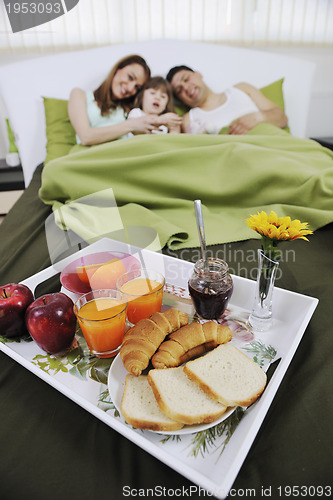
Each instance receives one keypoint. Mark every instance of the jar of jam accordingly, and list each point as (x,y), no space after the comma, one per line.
(210,287)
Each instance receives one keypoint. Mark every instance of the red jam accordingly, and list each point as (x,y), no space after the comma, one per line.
(210,288)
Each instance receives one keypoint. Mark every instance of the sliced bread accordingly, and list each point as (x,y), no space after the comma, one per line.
(181,399)
(228,376)
(140,409)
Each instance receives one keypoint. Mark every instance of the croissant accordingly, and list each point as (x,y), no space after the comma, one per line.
(190,341)
(144,338)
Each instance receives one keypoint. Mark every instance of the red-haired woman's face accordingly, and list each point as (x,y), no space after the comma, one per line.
(128,81)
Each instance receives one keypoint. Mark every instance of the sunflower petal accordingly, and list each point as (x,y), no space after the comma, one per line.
(278,228)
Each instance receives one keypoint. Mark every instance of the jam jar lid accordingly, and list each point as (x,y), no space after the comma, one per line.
(211,270)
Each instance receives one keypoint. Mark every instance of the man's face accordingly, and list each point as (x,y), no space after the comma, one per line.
(189,87)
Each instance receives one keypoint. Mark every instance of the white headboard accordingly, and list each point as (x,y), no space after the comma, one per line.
(23,84)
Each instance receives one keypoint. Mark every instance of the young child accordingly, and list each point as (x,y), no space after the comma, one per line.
(156,98)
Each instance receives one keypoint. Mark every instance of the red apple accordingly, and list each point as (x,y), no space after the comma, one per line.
(51,322)
(14,300)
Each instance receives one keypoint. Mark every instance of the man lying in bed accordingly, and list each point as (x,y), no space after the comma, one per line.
(243,106)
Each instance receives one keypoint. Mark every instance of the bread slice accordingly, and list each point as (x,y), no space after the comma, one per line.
(181,399)
(140,409)
(228,376)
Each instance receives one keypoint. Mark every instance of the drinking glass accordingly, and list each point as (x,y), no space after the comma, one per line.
(102,317)
(143,290)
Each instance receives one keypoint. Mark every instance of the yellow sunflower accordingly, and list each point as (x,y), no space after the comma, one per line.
(278,228)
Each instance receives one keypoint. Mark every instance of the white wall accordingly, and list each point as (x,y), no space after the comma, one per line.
(320,120)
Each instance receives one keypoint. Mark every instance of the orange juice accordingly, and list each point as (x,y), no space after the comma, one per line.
(102,322)
(144,298)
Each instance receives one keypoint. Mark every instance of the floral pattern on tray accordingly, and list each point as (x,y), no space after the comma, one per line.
(202,455)
(236,320)
(80,363)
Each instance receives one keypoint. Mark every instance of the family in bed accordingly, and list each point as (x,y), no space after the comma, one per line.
(130,102)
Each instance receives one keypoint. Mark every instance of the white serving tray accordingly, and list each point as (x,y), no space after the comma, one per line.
(213,471)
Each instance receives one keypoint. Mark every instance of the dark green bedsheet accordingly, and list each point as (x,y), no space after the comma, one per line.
(53,449)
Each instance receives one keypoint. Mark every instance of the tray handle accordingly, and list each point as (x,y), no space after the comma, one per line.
(38,278)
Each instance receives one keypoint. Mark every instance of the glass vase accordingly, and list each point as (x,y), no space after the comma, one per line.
(261,316)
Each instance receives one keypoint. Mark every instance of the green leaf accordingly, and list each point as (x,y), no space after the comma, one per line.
(49,363)
(75,355)
(107,403)
(171,437)
(81,369)
(261,351)
(100,370)
(205,440)
(24,338)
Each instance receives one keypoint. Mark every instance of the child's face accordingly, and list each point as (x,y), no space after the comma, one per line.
(154,101)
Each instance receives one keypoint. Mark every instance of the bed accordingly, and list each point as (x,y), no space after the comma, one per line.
(54,447)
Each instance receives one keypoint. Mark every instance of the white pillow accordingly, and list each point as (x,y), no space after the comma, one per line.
(23,84)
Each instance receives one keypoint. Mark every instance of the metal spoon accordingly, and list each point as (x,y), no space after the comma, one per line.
(201,229)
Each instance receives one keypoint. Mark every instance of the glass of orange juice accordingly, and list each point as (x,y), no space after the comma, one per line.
(143,290)
(102,317)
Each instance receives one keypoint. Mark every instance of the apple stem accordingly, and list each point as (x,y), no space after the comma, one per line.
(44,300)
(4,292)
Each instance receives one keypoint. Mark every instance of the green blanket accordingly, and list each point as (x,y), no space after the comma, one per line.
(152,180)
